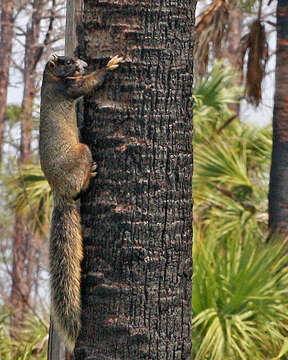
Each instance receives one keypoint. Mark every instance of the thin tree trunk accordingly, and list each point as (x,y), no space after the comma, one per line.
(278,192)
(19,291)
(137,216)
(234,37)
(234,47)
(7,23)
(56,347)
(24,265)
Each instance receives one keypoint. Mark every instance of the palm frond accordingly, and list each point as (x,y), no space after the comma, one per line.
(29,193)
(239,296)
(221,163)
(213,96)
(230,181)
(34,339)
(210,31)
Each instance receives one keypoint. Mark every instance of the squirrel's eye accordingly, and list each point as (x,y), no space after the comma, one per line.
(68,62)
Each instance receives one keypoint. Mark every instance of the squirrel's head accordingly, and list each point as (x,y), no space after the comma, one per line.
(63,66)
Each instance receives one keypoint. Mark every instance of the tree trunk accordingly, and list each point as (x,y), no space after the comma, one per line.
(23,245)
(233,51)
(19,290)
(278,191)
(56,347)
(7,23)
(234,38)
(137,215)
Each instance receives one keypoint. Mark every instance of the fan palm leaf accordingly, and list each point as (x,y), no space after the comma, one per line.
(30,193)
(239,299)
(213,96)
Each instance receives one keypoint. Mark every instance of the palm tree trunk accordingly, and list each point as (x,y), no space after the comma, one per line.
(278,191)
(137,216)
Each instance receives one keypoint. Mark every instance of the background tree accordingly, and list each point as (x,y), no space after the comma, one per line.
(6,37)
(221,34)
(137,216)
(25,244)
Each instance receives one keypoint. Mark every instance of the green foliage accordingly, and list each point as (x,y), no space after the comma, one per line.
(239,297)
(33,341)
(231,167)
(213,96)
(13,112)
(29,193)
(216,91)
(248,5)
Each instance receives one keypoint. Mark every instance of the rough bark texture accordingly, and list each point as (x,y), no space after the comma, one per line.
(137,216)
(278,192)
(7,24)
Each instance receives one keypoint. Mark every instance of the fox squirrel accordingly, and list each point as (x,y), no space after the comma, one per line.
(68,166)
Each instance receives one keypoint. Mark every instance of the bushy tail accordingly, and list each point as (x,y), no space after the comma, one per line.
(65,258)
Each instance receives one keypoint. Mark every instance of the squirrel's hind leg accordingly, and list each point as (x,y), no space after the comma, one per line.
(79,174)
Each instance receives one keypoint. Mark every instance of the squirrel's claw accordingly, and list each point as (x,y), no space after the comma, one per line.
(93,169)
(114,62)
(93,166)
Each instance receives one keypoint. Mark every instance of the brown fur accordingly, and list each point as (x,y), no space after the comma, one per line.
(67,165)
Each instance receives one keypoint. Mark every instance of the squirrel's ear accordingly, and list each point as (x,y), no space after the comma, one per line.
(52,61)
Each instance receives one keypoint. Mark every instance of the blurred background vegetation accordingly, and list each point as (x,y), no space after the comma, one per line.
(240,279)
(240,282)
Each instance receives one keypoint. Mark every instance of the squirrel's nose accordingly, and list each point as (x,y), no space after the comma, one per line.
(81,63)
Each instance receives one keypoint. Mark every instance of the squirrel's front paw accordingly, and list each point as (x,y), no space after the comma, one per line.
(114,62)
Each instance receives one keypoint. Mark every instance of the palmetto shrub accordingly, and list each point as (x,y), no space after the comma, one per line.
(31,343)
(239,300)
(240,283)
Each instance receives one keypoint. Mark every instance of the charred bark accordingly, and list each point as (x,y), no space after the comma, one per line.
(278,191)
(137,216)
